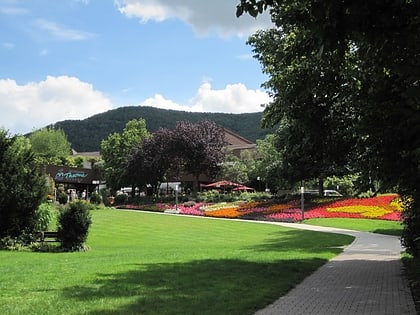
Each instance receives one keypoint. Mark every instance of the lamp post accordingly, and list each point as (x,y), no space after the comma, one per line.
(302,201)
(176,198)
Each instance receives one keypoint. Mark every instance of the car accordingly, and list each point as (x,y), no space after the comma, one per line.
(331,193)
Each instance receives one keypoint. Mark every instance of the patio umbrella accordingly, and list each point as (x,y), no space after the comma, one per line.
(222,183)
(243,188)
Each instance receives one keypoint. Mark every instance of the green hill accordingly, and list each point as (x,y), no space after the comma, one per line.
(86,135)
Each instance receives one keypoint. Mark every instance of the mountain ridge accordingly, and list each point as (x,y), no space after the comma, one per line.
(86,135)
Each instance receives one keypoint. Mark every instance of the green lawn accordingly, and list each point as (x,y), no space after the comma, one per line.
(146,263)
(365,225)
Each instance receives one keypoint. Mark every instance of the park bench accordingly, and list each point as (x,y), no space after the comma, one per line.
(48,236)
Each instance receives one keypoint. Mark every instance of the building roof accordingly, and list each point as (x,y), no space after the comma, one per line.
(233,138)
(234,141)
(237,143)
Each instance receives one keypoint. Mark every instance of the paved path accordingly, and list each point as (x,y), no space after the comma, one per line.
(365,279)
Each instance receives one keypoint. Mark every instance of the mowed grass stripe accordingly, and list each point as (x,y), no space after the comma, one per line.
(146,263)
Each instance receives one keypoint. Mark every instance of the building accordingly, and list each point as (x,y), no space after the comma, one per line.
(89,179)
(237,144)
(75,179)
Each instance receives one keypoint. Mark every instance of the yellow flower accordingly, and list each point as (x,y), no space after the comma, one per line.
(401,203)
(365,211)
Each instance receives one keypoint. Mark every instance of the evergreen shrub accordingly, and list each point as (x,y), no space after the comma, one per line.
(95,198)
(73,225)
(62,198)
(120,199)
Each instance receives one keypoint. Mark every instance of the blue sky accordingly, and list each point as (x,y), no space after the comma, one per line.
(71,59)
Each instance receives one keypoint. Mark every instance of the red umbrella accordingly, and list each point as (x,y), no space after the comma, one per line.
(221,183)
(243,187)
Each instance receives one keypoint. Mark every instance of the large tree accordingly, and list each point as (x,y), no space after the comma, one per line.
(190,148)
(22,186)
(116,149)
(239,169)
(199,147)
(314,134)
(50,146)
(150,161)
(381,41)
(268,165)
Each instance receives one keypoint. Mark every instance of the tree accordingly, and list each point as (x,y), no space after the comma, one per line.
(200,147)
(381,41)
(237,169)
(22,186)
(314,135)
(116,149)
(151,160)
(50,146)
(193,148)
(268,166)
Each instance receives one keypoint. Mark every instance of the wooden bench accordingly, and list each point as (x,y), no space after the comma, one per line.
(48,236)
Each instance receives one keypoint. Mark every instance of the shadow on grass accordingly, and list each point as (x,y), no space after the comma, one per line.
(212,286)
(199,287)
(394,232)
(304,241)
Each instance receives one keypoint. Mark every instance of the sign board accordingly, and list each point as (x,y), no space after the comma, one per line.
(64,174)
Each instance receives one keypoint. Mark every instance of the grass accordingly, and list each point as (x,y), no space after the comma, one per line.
(146,263)
(365,225)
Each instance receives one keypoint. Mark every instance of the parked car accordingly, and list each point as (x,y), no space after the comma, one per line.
(332,193)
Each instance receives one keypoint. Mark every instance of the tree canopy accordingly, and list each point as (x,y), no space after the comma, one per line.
(50,146)
(200,147)
(190,148)
(150,160)
(22,186)
(351,68)
(116,149)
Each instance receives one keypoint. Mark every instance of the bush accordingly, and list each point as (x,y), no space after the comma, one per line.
(215,196)
(95,198)
(120,199)
(74,222)
(209,196)
(20,242)
(22,186)
(411,218)
(62,198)
(45,214)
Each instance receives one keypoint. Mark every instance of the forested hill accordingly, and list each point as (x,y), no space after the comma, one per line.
(86,135)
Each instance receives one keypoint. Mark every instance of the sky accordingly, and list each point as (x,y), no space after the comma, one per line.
(71,59)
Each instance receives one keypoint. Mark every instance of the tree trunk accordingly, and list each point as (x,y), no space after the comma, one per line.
(321,186)
(196,185)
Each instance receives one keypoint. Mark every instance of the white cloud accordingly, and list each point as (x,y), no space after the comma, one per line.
(204,16)
(234,98)
(60,32)
(13,11)
(37,104)
(44,52)
(7,45)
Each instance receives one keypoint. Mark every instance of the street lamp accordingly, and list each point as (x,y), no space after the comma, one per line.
(176,198)
(302,201)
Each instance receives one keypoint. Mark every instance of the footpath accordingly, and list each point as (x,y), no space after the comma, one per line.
(367,278)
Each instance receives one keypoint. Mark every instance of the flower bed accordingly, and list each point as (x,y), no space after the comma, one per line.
(380,207)
(384,207)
